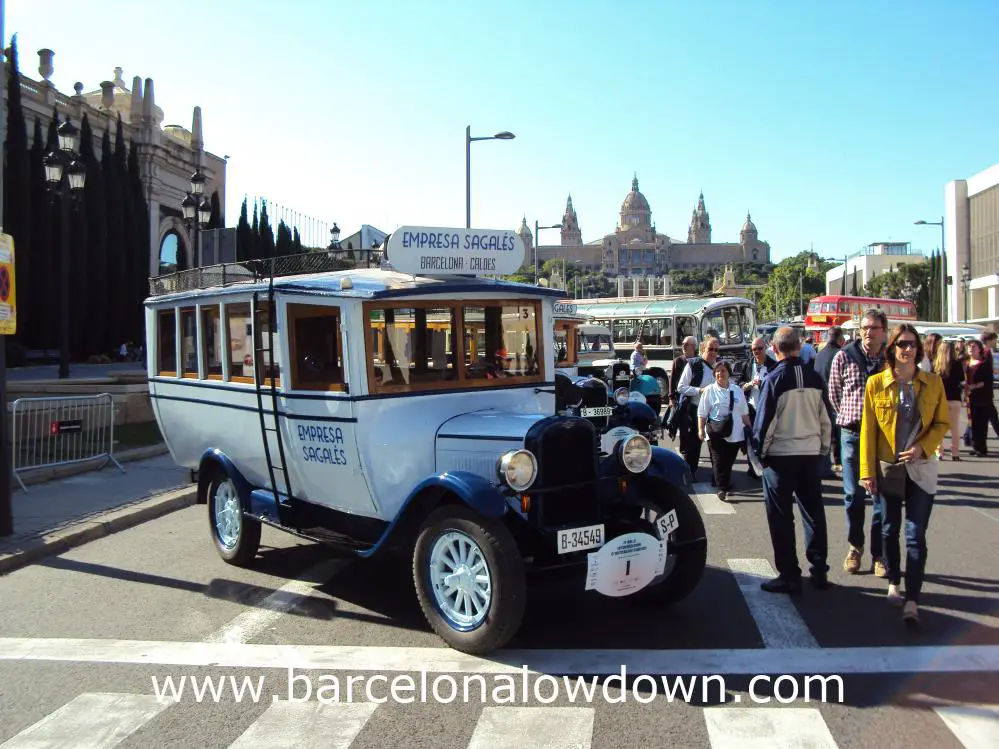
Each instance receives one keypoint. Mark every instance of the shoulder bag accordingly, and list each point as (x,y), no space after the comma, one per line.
(722,429)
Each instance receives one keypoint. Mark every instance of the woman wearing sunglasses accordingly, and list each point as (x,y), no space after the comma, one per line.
(904,422)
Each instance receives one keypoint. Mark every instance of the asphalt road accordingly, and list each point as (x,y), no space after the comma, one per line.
(83,636)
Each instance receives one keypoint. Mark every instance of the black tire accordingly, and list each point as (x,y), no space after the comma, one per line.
(684,564)
(242,546)
(505,608)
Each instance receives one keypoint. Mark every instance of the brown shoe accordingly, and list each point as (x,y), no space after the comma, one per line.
(851,564)
(879,568)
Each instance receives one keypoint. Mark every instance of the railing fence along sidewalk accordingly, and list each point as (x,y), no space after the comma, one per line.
(53,431)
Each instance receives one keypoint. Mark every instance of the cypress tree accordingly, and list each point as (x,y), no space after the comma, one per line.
(17,208)
(130,249)
(216,220)
(296,242)
(97,271)
(266,233)
(283,243)
(39,289)
(244,235)
(113,329)
(143,245)
(255,233)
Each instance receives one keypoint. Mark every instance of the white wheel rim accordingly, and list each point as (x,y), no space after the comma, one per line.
(228,514)
(460,579)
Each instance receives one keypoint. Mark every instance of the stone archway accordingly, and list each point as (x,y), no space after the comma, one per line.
(172,227)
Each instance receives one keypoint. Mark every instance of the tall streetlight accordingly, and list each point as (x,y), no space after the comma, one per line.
(537,244)
(65,177)
(468,166)
(197,212)
(943,274)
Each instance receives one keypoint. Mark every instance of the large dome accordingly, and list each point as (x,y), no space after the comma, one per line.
(634,200)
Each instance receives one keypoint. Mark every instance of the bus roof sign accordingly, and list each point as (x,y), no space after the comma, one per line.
(427,250)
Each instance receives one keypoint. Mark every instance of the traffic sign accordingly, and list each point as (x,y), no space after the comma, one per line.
(8,289)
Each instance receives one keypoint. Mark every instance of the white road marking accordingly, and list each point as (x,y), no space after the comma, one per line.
(751,661)
(249,623)
(760,728)
(289,725)
(975,726)
(779,622)
(533,728)
(90,721)
(709,502)
(987,514)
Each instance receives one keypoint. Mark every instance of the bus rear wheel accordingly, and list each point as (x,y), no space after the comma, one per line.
(236,536)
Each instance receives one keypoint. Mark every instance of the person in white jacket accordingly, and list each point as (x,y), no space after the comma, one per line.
(696,378)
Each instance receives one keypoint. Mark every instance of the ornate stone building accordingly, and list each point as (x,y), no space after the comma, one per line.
(636,248)
(168,154)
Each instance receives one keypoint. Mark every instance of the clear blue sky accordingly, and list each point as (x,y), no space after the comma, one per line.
(836,124)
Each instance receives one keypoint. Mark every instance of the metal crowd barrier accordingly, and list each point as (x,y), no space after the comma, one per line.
(53,431)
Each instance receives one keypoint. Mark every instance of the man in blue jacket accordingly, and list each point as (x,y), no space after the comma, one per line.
(791,434)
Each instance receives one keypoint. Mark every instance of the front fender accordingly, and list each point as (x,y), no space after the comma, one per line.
(470,489)
(670,466)
(215,458)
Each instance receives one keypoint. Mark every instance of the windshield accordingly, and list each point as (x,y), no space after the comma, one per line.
(723,324)
(590,342)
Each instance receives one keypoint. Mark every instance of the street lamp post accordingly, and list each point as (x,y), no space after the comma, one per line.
(943,274)
(966,283)
(65,177)
(537,244)
(197,212)
(334,245)
(468,166)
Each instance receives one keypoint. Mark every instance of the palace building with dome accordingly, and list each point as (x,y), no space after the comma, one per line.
(635,248)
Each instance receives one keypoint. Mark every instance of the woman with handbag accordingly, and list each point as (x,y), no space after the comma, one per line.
(904,421)
(722,416)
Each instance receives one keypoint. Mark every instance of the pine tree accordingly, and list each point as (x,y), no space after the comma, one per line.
(296,242)
(255,233)
(18,208)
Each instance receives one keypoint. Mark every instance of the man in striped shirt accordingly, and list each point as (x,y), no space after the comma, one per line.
(847,380)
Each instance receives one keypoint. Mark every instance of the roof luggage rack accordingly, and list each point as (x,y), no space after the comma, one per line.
(226,274)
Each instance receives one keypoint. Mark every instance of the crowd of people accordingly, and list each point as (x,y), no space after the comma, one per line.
(874,410)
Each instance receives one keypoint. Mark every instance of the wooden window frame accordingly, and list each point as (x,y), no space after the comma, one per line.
(206,310)
(461,382)
(230,308)
(170,312)
(571,342)
(295,311)
(191,310)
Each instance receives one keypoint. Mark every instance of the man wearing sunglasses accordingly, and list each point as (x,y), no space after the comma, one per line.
(697,376)
(848,376)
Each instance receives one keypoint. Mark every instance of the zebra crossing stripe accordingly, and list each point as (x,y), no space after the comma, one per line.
(975,726)
(777,618)
(90,721)
(289,725)
(533,728)
(767,728)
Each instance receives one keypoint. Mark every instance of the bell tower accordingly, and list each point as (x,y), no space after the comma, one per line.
(700,224)
(571,235)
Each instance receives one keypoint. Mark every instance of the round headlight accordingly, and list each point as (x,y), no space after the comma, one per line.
(636,453)
(621,395)
(518,469)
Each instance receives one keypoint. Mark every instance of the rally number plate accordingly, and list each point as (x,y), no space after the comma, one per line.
(667,524)
(577,539)
(598,411)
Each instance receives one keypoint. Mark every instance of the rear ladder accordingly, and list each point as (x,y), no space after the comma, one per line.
(260,375)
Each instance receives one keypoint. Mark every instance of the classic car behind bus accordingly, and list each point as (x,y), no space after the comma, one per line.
(412,411)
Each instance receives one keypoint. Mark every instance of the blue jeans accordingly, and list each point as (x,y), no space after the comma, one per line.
(856,497)
(918,504)
(785,478)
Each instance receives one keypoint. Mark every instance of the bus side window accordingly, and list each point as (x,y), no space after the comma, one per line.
(211,342)
(189,342)
(239,331)
(314,343)
(166,343)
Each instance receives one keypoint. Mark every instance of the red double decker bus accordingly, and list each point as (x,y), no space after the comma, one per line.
(826,311)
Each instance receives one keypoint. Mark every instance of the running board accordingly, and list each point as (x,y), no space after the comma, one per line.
(264,507)
(264,504)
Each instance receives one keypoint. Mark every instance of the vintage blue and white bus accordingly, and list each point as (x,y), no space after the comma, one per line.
(413,411)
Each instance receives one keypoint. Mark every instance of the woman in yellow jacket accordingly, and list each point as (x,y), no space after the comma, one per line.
(904,422)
